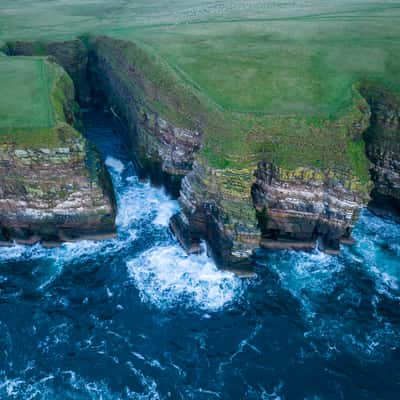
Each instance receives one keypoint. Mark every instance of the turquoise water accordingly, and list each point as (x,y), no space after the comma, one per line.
(135,318)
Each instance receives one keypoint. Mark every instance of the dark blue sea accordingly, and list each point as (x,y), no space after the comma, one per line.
(135,318)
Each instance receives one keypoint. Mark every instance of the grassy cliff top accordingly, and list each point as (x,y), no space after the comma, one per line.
(279,77)
(26,88)
(32,99)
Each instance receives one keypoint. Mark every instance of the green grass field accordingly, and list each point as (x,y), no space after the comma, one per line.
(278,74)
(33,96)
(25,93)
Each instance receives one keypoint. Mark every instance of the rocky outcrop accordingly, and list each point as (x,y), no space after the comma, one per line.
(52,195)
(234,209)
(296,208)
(237,211)
(383,149)
(72,55)
(54,192)
(162,148)
(217,207)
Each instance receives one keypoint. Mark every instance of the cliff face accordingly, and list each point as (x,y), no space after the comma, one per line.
(383,149)
(52,195)
(54,192)
(237,211)
(162,149)
(217,207)
(234,209)
(296,208)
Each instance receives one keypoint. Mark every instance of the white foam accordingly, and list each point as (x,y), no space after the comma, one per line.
(21,252)
(261,393)
(376,237)
(115,164)
(311,271)
(73,385)
(167,277)
(164,275)
(137,201)
(164,213)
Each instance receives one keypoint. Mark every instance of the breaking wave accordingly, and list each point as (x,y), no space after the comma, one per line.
(163,273)
(166,276)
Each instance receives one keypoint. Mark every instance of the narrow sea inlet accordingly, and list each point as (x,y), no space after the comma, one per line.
(136,318)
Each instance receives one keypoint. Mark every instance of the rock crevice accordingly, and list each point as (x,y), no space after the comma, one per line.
(162,150)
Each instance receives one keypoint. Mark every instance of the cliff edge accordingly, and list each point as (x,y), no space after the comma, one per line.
(53,186)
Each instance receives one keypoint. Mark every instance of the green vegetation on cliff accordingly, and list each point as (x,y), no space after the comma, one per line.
(263,79)
(34,103)
(25,84)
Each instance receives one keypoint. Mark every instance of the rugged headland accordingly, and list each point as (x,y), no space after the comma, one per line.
(284,160)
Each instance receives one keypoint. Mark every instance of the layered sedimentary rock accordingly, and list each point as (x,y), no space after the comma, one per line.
(217,207)
(383,149)
(52,195)
(72,55)
(237,210)
(162,148)
(58,191)
(296,208)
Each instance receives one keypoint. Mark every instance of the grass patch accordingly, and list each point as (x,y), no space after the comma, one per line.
(35,94)
(25,84)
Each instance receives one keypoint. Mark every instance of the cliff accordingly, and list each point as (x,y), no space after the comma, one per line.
(53,186)
(298,208)
(244,180)
(383,149)
(274,195)
(237,211)
(217,207)
(152,102)
(279,203)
